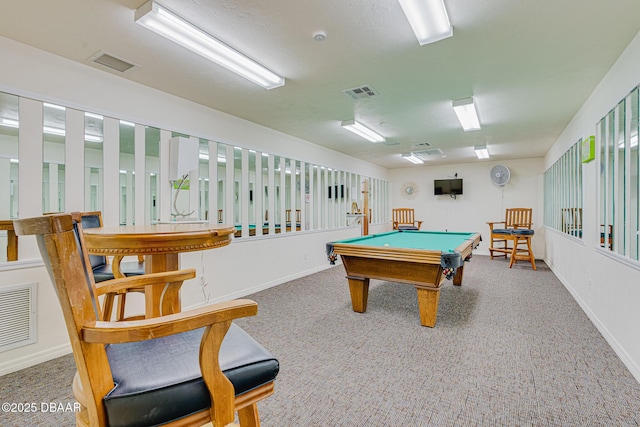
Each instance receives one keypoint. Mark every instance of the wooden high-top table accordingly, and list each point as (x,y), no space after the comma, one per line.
(161,245)
(12,239)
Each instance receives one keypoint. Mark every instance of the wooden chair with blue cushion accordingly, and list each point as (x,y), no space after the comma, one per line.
(182,369)
(501,238)
(403,219)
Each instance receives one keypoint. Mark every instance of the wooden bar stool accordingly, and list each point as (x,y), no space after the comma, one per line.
(522,236)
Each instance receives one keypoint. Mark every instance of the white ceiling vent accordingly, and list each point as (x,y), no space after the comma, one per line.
(422,145)
(360,92)
(430,152)
(113,62)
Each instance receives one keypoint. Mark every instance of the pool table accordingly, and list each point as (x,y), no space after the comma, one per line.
(423,259)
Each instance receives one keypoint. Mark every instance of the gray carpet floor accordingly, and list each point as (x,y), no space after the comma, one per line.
(510,348)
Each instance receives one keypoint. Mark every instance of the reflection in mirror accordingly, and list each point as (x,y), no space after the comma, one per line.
(53,128)
(152,170)
(278,183)
(634,194)
(254,224)
(222,163)
(203,184)
(307,207)
(127,173)
(9,150)
(237,184)
(93,162)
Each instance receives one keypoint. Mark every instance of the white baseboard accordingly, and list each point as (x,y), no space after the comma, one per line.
(34,359)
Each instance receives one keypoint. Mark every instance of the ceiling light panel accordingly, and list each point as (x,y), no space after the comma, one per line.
(428,19)
(162,21)
(465,109)
(362,131)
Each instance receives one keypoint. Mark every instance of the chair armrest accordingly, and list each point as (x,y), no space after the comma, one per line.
(492,223)
(419,223)
(124,283)
(141,330)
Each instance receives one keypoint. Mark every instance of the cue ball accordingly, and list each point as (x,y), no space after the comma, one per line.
(386,244)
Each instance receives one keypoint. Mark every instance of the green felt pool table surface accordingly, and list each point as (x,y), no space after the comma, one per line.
(414,239)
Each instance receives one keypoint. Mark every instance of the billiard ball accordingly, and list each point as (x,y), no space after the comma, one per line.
(386,244)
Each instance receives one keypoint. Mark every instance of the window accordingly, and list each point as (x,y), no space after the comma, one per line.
(563,193)
(617,135)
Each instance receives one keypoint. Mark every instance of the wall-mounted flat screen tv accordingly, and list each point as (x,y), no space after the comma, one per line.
(447,186)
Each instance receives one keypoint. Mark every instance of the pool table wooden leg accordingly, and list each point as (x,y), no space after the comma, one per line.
(428,305)
(359,288)
(457,278)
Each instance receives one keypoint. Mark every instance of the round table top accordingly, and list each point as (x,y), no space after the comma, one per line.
(156,238)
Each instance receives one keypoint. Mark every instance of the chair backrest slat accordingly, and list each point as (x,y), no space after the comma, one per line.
(518,217)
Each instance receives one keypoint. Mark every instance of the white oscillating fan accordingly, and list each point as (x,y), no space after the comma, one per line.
(500,175)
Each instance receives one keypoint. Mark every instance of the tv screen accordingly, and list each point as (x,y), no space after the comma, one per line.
(447,186)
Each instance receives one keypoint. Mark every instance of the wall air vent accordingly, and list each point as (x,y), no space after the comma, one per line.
(365,91)
(17,316)
(112,62)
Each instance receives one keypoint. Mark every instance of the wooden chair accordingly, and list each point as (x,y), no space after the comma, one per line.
(102,269)
(182,369)
(12,239)
(572,221)
(298,219)
(606,236)
(403,218)
(502,239)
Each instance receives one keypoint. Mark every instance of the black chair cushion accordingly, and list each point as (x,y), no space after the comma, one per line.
(407,227)
(523,232)
(104,272)
(502,231)
(159,380)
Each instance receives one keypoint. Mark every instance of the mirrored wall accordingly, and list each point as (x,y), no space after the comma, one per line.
(260,193)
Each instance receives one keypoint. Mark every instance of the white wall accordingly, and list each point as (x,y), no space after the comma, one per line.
(481,202)
(605,285)
(39,76)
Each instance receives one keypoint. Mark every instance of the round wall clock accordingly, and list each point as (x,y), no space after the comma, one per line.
(409,190)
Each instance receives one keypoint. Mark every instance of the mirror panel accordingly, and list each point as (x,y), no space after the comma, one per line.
(222,173)
(127,173)
(53,155)
(9,155)
(152,172)
(93,162)
(203,179)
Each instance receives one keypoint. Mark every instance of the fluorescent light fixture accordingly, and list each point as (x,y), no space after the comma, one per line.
(428,19)
(361,130)
(481,151)
(92,138)
(467,115)
(94,116)
(10,123)
(54,106)
(162,21)
(53,131)
(412,158)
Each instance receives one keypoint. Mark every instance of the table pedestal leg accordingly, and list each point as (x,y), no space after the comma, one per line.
(428,306)
(160,302)
(359,288)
